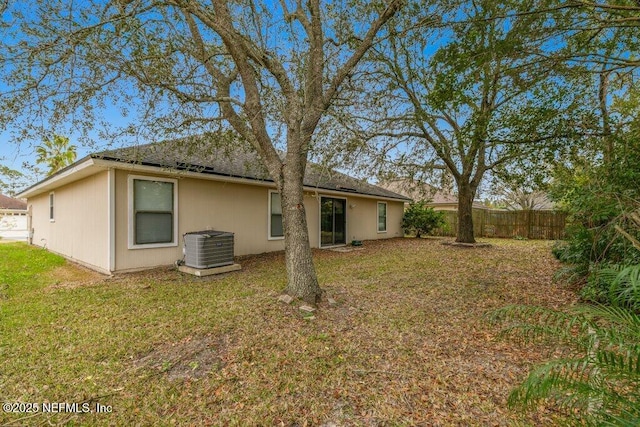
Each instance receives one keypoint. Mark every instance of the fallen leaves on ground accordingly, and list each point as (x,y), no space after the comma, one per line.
(406,342)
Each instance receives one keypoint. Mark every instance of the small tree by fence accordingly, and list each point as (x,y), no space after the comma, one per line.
(530,224)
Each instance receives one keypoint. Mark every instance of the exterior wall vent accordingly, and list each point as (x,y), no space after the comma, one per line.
(208,249)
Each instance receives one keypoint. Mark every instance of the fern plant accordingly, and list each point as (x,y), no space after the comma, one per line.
(625,288)
(597,381)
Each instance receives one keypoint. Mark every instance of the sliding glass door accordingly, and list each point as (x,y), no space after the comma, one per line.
(333,221)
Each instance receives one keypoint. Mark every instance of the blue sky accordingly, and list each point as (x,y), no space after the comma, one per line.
(15,154)
(18,150)
(12,155)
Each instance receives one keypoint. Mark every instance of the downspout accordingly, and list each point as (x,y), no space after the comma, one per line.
(30,224)
(111,221)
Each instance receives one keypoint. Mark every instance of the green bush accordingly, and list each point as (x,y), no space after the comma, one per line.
(421,220)
(598,199)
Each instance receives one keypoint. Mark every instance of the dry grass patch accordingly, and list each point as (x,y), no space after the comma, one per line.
(405,344)
(189,358)
(72,275)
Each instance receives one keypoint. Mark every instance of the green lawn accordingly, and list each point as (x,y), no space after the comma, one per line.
(405,344)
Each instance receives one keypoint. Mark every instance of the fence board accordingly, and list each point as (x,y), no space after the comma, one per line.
(543,224)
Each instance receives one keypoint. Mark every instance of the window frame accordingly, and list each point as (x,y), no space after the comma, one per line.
(269,215)
(132,218)
(386,216)
(52,206)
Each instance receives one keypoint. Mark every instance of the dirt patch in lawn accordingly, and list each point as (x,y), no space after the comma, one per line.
(69,276)
(191,357)
(466,245)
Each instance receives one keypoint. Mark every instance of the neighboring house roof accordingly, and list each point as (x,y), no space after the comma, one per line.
(534,200)
(199,155)
(423,191)
(11,203)
(411,189)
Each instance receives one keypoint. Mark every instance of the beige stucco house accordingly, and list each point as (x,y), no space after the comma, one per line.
(127,209)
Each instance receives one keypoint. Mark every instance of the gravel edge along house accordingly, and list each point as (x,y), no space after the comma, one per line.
(127,209)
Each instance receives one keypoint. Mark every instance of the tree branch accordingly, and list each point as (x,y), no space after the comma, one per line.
(365,44)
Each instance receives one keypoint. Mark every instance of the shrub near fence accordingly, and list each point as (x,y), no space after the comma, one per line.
(543,224)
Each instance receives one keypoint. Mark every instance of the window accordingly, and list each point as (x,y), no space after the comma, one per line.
(276,229)
(152,218)
(382,217)
(51,211)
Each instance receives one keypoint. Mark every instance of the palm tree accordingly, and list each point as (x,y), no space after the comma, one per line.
(56,153)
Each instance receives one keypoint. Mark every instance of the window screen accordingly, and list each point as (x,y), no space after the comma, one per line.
(51,201)
(277,229)
(382,216)
(153,211)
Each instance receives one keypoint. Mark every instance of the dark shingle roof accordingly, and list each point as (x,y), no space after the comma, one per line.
(11,203)
(240,160)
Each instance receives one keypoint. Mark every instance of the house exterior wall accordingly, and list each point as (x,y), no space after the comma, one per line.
(202,205)
(79,228)
(362,219)
(239,208)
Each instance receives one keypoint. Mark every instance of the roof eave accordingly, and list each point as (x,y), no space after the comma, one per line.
(92,164)
(148,168)
(78,170)
(322,190)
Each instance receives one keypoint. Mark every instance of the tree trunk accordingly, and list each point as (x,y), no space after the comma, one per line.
(301,273)
(465,214)
(603,94)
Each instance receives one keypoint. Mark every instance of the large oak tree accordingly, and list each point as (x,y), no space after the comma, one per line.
(494,90)
(268,69)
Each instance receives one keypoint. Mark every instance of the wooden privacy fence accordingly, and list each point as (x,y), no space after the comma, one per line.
(544,224)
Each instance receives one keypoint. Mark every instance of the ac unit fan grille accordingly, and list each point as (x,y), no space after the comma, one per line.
(208,249)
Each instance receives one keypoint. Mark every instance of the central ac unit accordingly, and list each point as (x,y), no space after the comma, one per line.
(208,248)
